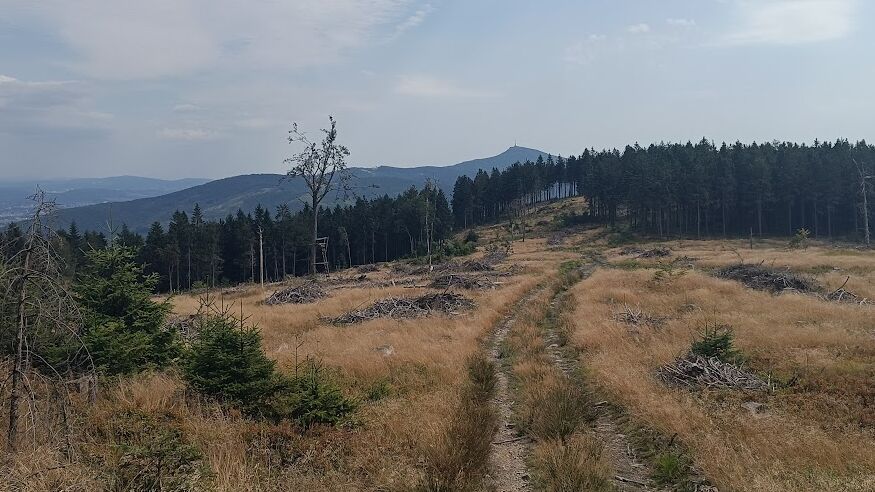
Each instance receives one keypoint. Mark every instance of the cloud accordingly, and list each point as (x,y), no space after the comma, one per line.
(186,134)
(257,123)
(426,86)
(123,40)
(33,107)
(586,51)
(790,22)
(187,108)
(680,22)
(414,20)
(638,28)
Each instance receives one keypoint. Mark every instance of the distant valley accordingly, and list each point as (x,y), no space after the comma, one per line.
(15,202)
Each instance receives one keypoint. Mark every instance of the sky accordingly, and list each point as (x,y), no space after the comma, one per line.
(210,88)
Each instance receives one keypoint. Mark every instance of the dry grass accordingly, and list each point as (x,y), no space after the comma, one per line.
(409,375)
(457,450)
(578,463)
(552,408)
(817,430)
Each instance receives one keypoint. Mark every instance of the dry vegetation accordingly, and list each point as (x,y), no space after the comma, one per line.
(813,432)
(586,362)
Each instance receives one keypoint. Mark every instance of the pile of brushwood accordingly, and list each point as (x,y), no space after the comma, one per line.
(185,326)
(712,362)
(846,296)
(556,239)
(637,317)
(304,293)
(630,251)
(777,281)
(768,279)
(474,266)
(407,307)
(699,372)
(471,282)
(659,252)
(495,256)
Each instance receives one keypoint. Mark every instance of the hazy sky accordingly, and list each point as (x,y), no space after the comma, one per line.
(208,88)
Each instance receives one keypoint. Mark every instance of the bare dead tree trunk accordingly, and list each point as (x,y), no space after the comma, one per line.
(261,255)
(315,234)
(19,363)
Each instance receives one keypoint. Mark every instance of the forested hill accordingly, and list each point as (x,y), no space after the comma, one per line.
(219,198)
(693,190)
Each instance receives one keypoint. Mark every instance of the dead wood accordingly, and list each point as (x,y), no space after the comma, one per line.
(697,372)
(768,279)
(407,307)
(660,252)
(301,294)
(637,317)
(470,282)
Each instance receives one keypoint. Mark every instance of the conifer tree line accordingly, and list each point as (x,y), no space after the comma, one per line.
(193,252)
(678,190)
(689,190)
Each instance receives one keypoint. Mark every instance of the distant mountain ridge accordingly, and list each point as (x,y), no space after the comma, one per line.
(220,197)
(75,192)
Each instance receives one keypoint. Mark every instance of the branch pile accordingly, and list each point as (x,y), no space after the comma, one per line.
(556,239)
(408,307)
(355,280)
(471,282)
(768,279)
(630,250)
(302,294)
(660,252)
(186,326)
(493,257)
(695,371)
(637,317)
(846,296)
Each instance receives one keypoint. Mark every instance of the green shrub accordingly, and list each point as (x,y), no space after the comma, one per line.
(378,390)
(455,248)
(800,239)
(471,236)
(124,328)
(146,453)
(572,219)
(671,468)
(716,341)
(226,362)
(309,398)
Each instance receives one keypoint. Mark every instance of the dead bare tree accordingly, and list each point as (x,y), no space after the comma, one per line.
(323,168)
(42,318)
(864,190)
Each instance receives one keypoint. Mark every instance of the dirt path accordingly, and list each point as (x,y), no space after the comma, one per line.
(632,474)
(508,471)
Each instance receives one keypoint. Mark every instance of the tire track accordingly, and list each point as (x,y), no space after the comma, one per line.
(631,473)
(508,471)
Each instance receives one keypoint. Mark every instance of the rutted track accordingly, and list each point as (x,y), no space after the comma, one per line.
(632,474)
(508,471)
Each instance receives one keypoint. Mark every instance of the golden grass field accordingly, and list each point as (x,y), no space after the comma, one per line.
(815,431)
(816,434)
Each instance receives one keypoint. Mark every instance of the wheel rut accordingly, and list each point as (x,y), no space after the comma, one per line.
(631,473)
(508,471)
